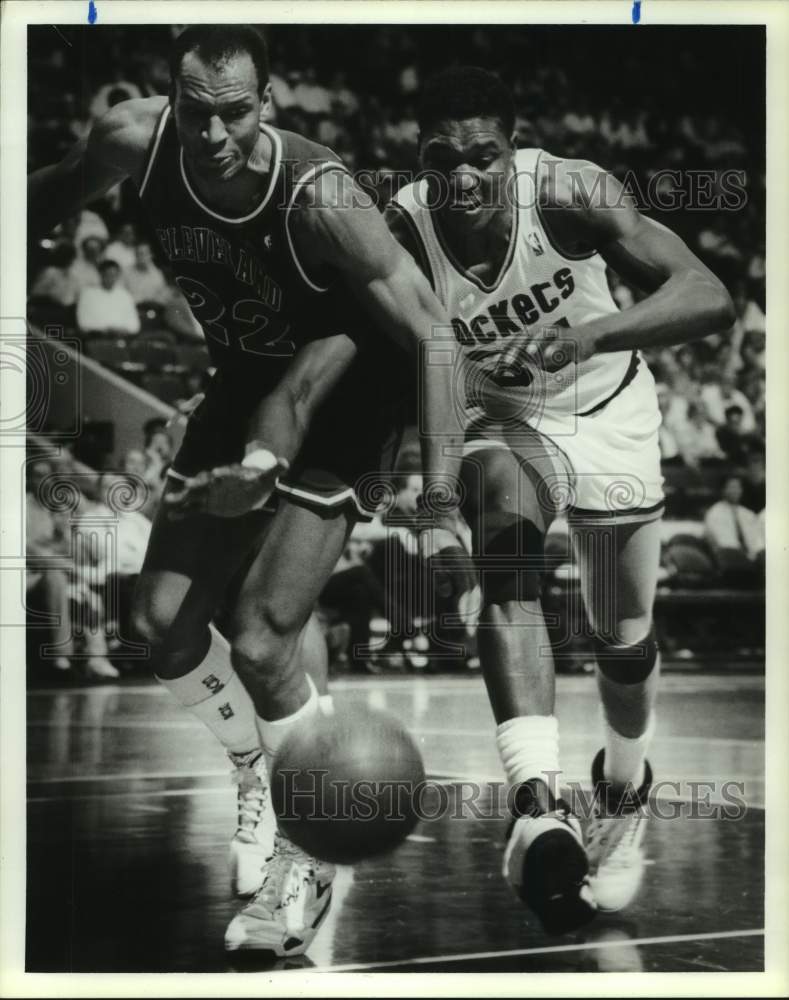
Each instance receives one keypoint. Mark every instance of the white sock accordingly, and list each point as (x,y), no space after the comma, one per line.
(625,757)
(326,704)
(272,733)
(529,748)
(215,695)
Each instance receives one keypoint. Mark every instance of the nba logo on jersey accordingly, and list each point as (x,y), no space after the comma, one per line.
(267,241)
(536,243)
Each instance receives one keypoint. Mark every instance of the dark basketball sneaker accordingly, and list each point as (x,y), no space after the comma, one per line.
(614,837)
(545,863)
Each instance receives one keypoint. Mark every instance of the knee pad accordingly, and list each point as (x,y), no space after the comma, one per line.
(510,565)
(626,664)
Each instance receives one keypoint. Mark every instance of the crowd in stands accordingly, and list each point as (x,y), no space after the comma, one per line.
(382,610)
(355,90)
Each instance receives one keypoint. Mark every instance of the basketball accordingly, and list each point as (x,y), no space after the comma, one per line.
(346,786)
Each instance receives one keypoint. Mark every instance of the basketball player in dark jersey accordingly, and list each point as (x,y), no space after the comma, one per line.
(290,270)
(562,416)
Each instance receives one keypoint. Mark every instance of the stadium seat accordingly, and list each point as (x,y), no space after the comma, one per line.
(690,562)
(193,357)
(159,335)
(152,352)
(44,312)
(150,314)
(110,353)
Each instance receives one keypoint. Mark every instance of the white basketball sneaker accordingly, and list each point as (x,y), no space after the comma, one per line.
(253,841)
(613,839)
(289,907)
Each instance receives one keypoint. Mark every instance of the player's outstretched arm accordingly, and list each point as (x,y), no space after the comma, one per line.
(282,419)
(114,149)
(276,432)
(338,227)
(586,208)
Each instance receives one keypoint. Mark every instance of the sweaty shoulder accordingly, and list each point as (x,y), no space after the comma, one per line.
(565,183)
(328,189)
(571,194)
(299,145)
(122,137)
(404,229)
(321,225)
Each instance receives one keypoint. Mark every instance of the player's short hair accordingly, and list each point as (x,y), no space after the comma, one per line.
(216,43)
(108,264)
(462,92)
(734,410)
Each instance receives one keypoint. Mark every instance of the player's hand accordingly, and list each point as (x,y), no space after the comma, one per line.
(547,348)
(227,491)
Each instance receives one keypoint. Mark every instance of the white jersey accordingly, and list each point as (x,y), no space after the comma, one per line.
(537,285)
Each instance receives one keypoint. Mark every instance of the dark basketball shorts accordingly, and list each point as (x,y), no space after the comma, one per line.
(346,456)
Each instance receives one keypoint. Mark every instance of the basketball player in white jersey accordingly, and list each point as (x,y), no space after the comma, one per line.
(562,416)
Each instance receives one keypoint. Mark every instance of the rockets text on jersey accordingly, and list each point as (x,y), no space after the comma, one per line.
(537,285)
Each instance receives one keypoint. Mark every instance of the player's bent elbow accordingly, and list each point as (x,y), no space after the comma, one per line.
(726,314)
(711,296)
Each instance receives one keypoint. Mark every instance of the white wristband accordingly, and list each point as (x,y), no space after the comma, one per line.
(261,459)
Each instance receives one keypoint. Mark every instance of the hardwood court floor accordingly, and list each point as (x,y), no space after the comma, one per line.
(130,811)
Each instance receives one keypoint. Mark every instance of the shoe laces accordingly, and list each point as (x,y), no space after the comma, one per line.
(624,850)
(287,871)
(252,797)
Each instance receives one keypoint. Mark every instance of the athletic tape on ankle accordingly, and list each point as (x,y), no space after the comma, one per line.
(529,748)
(273,732)
(261,459)
(625,756)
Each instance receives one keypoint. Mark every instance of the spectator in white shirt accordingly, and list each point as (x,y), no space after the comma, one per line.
(697,440)
(673,410)
(344,101)
(110,308)
(281,90)
(145,476)
(717,397)
(144,279)
(310,96)
(122,496)
(669,445)
(735,533)
(80,226)
(121,250)
(753,351)
(85,268)
(579,120)
(56,283)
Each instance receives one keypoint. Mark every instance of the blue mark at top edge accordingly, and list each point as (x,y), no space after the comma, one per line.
(636,13)
(92,12)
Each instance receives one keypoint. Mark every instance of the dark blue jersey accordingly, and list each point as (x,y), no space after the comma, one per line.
(241,275)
